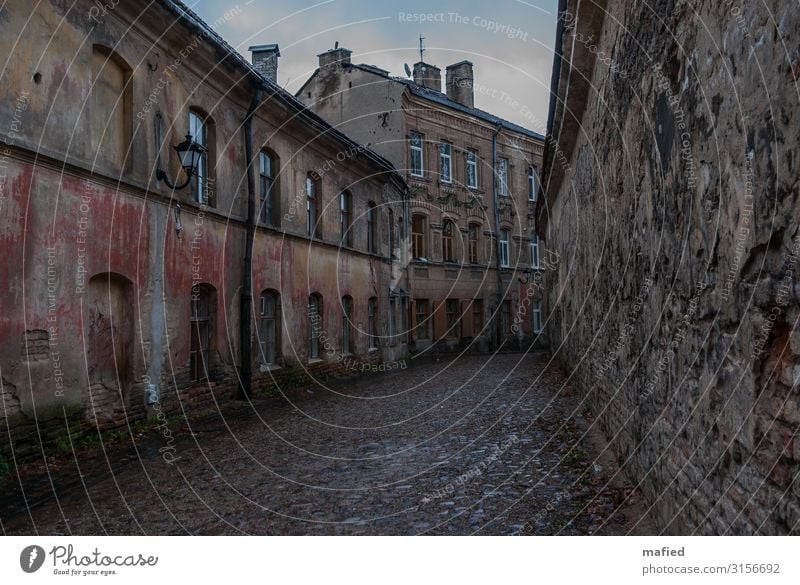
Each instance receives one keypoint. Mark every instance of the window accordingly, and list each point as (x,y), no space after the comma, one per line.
(347,320)
(537,316)
(502,177)
(532,185)
(477,317)
(445,162)
(268,167)
(447,241)
(423,328)
(417,169)
(346,218)
(473,242)
(534,251)
(312,206)
(203,301)
(372,228)
(453,318)
(391,232)
(504,248)
(418,230)
(315,325)
(268,328)
(110,112)
(505,317)
(199,183)
(472,169)
(392,318)
(372,322)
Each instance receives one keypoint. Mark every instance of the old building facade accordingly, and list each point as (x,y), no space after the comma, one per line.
(122,295)
(671,196)
(477,267)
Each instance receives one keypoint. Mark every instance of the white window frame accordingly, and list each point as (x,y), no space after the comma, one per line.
(505,249)
(532,185)
(419,150)
(536,316)
(535,251)
(446,162)
(502,177)
(472,169)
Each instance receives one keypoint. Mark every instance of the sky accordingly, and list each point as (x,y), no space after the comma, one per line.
(510,42)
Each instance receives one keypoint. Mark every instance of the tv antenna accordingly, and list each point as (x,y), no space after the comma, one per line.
(421,47)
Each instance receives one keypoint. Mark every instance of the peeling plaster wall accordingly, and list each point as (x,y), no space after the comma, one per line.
(73,346)
(676,220)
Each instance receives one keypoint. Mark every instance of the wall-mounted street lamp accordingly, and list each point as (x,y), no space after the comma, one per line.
(189,153)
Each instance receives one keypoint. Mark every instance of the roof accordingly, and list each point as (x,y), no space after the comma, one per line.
(442,100)
(275,91)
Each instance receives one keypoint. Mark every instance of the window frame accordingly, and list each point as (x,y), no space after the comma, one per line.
(472,163)
(263,322)
(418,238)
(346,218)
(347,328)
(312,206)
(448,241)
(372,323)
(422,326)
(536,317)
(535,251)
(502,171)
(268,211)
(315,324)
(533,185)
(201,175)
(504,245)
(446,156)
(473,244)
(372,227)
(453,318)
(420,150)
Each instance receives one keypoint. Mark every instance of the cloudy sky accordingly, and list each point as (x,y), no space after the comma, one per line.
(509,41)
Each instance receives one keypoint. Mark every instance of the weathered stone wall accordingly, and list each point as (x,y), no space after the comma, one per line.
(673,202)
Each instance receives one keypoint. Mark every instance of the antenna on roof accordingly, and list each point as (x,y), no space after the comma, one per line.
(336,45)
(408,69)
(421,47)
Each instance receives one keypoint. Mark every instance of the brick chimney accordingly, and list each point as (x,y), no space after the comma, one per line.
(265,60)
(335,56)
(460,84)
(429,76)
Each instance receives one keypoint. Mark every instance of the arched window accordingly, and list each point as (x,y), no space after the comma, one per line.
(448,229)
(269,192)
(315,316)
(269,328)
(313,205)
(346,217)
(347,320)
(110,112)
(203,307)
(419,229)
(201,127)
(372,228)
(372,322)
(473,234)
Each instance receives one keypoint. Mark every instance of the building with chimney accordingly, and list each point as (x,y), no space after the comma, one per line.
(477,268)
(125,297)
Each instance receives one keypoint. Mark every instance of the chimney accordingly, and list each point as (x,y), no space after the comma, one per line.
(459,84)
(429,76)
(265,60)
(335,56)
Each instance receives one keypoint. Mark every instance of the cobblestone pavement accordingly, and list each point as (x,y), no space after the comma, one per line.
(478,444)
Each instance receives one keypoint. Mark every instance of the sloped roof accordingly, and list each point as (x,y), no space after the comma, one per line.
(442,99)
(275,91)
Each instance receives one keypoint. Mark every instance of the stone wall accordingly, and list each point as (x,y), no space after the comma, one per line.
(672,199)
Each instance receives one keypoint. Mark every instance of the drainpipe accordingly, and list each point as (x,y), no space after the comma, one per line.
(496,198)
(246,305)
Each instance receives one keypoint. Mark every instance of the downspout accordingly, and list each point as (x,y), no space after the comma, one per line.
(496,200)
(246,304)
(555,79)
